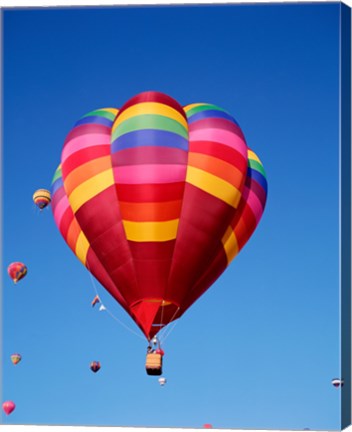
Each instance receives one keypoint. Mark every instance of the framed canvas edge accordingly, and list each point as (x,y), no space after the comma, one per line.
(345,213)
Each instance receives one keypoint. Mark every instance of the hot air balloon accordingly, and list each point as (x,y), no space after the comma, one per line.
(95,301)
(207,426)
(337,382)
(16,358)
(41,198)
(95,366)
(8,407)
(162,381)
(156,200)
(17,271)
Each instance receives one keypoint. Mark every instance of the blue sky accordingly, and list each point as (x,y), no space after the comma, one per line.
(260,348)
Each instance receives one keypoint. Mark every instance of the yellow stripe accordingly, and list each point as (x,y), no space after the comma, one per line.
(253,156)
(111,110)
(82,247)
(213,185)
(189,107)
(150,108)
(151,231)
(229,242)
(90,188)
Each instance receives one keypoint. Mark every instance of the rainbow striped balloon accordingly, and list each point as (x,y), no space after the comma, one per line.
(156,200)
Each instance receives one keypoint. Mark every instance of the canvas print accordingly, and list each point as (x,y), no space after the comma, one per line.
(176,216)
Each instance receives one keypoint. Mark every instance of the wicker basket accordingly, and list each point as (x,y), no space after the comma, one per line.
(154,364)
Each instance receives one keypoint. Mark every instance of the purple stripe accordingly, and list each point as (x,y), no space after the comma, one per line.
(210,114)
(149,137)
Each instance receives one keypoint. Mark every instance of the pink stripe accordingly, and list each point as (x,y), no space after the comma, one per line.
(254,204)
(60,208)
(83,142)
(149,174)
(221,136)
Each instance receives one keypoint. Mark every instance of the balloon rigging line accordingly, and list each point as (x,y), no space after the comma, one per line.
(167,332)
(110,313)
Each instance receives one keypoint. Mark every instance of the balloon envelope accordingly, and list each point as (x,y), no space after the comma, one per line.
(41,198)
(16,358)
(95,366)
(17,271)
(8,407)
(337,382)
(162,381)
(156,200)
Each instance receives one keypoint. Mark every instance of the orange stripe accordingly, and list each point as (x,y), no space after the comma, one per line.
(150,211)
(72,234)
(85,172)
(217,167)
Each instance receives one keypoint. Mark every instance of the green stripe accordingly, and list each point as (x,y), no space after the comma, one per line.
(149,121)
(256,166)
(57,175)
(204,107)
(101,113)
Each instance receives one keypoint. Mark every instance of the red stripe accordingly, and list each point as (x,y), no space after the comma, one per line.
(214,270)
(153,96)
(65,222)
(257,189)
(150,193)
(86,129)
(220,151)
(203,222)
(85,155)
(96,268)
(59,193)
(149,155)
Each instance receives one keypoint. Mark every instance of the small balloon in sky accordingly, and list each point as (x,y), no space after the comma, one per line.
(207,426)
(17,271)
(41,198)
(162,381)
(337,382)
(95,300)
(16,358)
(95,366)
(8,407)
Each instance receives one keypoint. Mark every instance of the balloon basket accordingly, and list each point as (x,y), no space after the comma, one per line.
(154,364)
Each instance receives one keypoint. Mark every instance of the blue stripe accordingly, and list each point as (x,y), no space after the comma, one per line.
(58,183)
(258,177)
(94,120)
(210,114)
(149,137)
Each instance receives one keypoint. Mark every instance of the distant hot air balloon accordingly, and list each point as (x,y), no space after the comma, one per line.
(17,271)
(16,358)
(337,382)
(8,407)
(95,300)
(41,198)
(162,381)
(207,426)
(156,200)
(95,366)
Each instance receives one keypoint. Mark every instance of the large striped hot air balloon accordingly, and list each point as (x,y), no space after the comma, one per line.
(156,200)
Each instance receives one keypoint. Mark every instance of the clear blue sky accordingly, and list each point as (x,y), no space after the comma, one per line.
(260,348)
